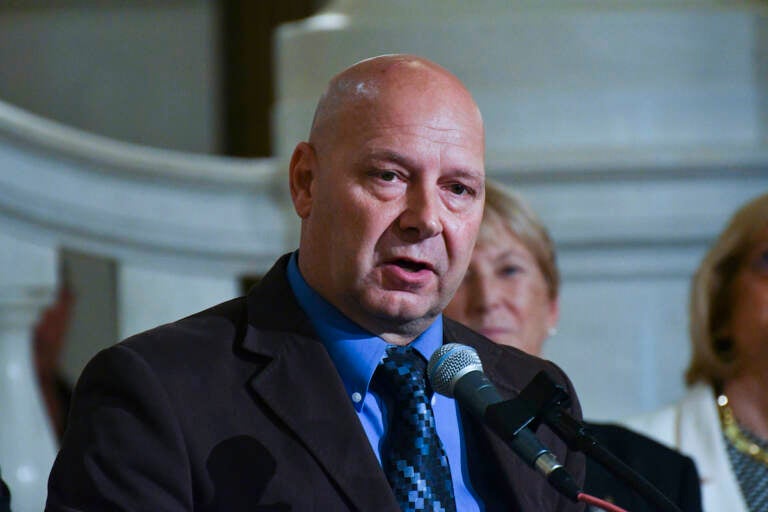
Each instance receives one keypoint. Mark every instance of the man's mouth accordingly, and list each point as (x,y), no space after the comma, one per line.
(411,265)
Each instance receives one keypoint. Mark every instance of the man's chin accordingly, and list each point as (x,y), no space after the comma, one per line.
(396,310)
(403,304)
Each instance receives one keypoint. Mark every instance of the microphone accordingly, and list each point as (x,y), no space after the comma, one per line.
(455,370)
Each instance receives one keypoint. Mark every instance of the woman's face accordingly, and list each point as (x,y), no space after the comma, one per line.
(749,313)
(504,295)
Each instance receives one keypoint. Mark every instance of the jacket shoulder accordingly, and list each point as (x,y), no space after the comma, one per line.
(220,321)
(630,445)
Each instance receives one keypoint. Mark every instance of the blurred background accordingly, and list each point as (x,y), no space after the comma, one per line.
(143,151)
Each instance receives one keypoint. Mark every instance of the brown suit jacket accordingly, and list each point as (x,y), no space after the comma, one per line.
(240,408)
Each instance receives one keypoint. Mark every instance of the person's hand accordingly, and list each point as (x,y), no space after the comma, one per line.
(48,341)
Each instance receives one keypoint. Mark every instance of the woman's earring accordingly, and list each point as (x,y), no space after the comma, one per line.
(552,331)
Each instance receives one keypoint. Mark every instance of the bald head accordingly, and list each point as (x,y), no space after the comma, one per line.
(358,93)
(390,191)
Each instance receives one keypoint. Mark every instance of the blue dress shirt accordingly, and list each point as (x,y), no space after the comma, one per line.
(356,353)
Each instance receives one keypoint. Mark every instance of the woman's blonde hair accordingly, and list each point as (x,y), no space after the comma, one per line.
(714,357)
(505,209)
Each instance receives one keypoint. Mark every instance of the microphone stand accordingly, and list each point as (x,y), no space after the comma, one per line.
(544,400)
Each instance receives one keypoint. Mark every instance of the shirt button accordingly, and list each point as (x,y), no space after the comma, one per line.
(356,397)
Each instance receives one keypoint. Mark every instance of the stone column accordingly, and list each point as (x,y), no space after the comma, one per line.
(150,297)
(27,443)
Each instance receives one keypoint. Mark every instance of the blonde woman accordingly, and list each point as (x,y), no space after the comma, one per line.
(722,422)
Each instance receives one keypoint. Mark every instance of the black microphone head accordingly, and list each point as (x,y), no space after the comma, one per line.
(448,364)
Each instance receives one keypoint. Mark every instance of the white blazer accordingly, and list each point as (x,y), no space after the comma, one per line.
(692,426)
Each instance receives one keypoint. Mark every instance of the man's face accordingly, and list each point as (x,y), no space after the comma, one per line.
(396,201)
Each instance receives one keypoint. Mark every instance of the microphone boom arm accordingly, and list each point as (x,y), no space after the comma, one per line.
(543,400)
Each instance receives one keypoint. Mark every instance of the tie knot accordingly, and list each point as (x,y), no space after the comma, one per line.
(403,372)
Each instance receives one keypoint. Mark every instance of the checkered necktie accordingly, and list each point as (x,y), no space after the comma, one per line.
(412,455)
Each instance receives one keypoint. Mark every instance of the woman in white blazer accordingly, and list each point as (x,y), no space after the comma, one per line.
(722,422)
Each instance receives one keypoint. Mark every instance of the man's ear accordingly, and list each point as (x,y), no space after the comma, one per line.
(301,175)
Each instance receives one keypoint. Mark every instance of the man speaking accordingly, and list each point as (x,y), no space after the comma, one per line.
(310,392)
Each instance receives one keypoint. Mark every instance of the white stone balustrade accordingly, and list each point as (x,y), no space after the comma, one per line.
(27,445)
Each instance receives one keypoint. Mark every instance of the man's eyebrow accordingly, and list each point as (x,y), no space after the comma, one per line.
(390,155)
(469,174)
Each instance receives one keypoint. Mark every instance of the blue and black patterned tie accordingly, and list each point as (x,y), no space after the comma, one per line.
(412,455)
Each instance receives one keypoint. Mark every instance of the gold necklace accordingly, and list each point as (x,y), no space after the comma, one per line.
(735,435)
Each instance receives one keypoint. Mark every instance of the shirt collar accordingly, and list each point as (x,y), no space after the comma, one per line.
(354,351)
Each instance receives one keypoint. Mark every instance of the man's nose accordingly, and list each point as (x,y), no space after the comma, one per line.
(421,217)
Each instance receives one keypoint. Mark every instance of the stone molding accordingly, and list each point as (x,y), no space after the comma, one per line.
(151,206)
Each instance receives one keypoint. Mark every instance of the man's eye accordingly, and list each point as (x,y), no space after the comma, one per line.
(458,189)
(387,175)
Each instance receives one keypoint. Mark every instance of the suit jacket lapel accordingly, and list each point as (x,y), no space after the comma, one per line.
(302,387)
